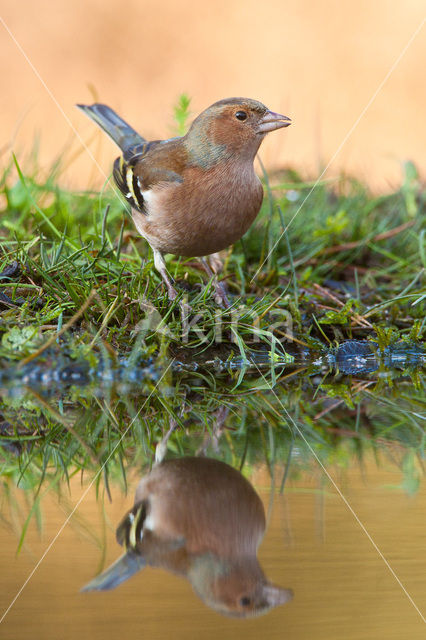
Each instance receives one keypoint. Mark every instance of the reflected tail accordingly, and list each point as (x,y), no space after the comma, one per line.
(123,569)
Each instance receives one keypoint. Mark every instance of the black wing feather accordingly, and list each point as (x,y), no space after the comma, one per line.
(132,191)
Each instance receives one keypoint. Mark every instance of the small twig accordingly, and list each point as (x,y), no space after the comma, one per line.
(105,321)
(354,315)
(291,338)
(334,405)
(359,243)
(293,373)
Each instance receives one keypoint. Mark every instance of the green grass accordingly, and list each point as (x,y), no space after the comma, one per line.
(334,258)
(322,263)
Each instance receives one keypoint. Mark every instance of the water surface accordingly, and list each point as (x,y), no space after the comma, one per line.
(329,454)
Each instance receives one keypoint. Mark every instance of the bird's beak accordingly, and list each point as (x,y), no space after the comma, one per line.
(272,121)
(276,596)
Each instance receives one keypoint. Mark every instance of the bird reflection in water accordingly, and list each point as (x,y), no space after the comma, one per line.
(201,519)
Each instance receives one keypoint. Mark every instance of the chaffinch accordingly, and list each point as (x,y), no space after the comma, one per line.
(197,194)
(201,519)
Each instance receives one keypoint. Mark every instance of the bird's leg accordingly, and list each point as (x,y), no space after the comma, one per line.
(161,448)
(215,263)
(212,439)
(185,309)
(212,270)
(161,268)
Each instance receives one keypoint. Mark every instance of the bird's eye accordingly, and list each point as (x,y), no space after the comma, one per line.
(245,601)
(241,115)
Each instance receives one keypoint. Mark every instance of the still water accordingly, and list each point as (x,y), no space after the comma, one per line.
(338,463)
(342,587)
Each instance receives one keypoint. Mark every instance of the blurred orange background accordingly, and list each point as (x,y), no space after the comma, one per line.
(318,62)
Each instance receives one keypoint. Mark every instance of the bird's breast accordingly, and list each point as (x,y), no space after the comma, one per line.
(206,504)
(210,210)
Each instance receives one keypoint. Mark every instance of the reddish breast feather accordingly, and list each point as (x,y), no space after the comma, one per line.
(210,210)
(207,504)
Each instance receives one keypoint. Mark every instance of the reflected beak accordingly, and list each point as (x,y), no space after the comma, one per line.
(272,121)
(276,596)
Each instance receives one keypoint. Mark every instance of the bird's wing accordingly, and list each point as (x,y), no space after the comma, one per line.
(146,165)
(130,528)
(132,534)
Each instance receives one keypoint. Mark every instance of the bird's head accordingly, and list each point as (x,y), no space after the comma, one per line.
(233,126)
(236,588)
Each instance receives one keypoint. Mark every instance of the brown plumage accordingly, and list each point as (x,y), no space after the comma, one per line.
(198,194)
(201,519)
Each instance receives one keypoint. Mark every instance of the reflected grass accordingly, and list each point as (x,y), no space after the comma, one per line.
(46,439)
(89,428)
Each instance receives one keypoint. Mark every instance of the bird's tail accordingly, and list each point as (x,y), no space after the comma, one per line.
(117,129)
(125,567)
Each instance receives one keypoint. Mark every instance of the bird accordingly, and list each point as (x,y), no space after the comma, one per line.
(196,194)
(199,518)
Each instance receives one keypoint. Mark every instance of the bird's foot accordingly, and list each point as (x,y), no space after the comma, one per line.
(212,267)
(185,308)
(171,291)
(216,263)
(220,295)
